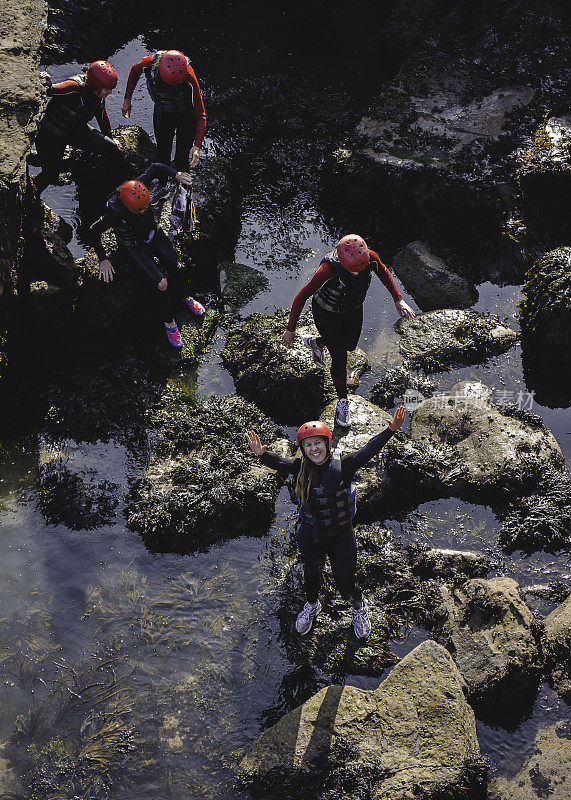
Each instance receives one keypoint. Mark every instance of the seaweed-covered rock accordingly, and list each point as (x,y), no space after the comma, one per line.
(557,648)
(432,562)
(283,381)
(240,283)
(545,316)
(484,451)
(487,627)
(429,281)
(439,340)
(545,773)
(72,492)
(135,144)
(544,175)
(196,333)
(542,520)
(203,483)
(397,385)
(415,733)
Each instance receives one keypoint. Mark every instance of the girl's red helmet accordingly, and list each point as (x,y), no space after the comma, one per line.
(135,196)
(353,253)
(314,428)
(101,75)
(173,67)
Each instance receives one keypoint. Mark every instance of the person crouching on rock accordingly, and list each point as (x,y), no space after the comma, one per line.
(339,288)
(140,242)
(73,104)
(326,507)
(178,109)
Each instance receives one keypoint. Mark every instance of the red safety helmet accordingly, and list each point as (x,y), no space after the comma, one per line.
(314,428)
(101,75)
(135,196)
(173,67)
(353,253)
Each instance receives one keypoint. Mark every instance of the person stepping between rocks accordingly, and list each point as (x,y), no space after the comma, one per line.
(339,288)
(326,506)
(178,110)
(73,103)
(140,242)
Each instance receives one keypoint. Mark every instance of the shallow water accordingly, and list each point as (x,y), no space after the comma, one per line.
(202,631)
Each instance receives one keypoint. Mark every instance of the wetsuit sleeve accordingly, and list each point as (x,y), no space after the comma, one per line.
(65,87)
(198,105)
(288,465)
(352,462)
(155,171)
(385,276)
(323,274)
(135,74)
(102,118)
(100,226)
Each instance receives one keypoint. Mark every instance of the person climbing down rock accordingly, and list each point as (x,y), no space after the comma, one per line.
(73,104)
(140,242)
(178,110)
(326,506)
(339,288)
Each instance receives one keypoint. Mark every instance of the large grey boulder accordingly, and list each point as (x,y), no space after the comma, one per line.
(545,773)
(283,381)
(411,736)
(429,281)
(437,340)
(487,627)
(557,647)
(203,483)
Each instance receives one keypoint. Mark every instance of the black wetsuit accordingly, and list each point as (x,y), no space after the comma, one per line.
(140,241)
(340,543)
(72,105)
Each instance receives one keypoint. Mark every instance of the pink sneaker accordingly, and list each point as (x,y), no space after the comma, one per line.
(173,335)
(194,306)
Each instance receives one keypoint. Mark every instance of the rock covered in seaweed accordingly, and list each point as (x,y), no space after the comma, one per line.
(283,381)
(455,565)
(429,281)
(415,732)
(397,383)
(439,340)
(203,483)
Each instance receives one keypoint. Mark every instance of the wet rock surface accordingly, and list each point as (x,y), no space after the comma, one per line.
(203,483)
(283,381)
(240,284)
(456,565)
(545,773)
(398,383)
(439,340)
(429,281)
(487,628)
(556,644)
(400,736)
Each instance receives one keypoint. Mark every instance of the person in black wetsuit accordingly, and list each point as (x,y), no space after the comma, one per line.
(326,506)
(140,242)
(73,104)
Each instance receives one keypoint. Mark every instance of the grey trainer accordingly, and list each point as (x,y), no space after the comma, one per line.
(306,616)
(342,416)
(316,350)
(361,621)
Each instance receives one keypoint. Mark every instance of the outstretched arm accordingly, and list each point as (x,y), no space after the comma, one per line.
(384,275)
(352,462)
(324,273)
(269,459)
(199,113)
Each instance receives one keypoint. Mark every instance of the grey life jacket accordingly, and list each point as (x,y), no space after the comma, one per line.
(172,99)
(131,230)
(67,112)
(331,505)
(346,291)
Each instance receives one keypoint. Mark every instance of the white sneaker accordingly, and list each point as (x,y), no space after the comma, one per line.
(316,350)
(179,202)
(361,621)
(342,416)
(306,616)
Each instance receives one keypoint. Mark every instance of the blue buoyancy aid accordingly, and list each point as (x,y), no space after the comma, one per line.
(347,291)
(171,99)
(330,505)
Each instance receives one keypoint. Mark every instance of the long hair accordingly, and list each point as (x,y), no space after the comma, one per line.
(303,483)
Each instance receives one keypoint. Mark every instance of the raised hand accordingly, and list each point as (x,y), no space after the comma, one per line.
(288,338)
(255,444)
(404,309)
(397,421)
